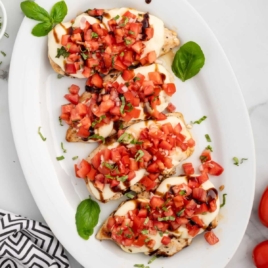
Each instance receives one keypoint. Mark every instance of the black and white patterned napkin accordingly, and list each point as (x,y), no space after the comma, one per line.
(26,243)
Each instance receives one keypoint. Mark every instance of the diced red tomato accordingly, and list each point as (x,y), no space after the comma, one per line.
(213,168)
(128,75)
(140,241)
(74,99)
(149,33)
(193,230)
(198,221)
(200,209)
(211,238)
(148,183)
(156,78)
(83,132)
(205,156)
(151,57)
(169,88)
(188,168)
(165,240)
(156,202)
(203,177)
(96,160)
(191,143)
(212,205)
(118,65)
(92,174)
(129,15)
(65,39)
(151,244)
(83,169)
(138,47)
(133,165)
(199,194)
(74,89)
(70,68)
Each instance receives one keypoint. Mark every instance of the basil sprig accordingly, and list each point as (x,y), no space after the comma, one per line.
(87,217)
(188,61)
(47,21)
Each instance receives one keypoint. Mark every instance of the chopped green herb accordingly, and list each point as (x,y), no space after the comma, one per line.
(131,32)
(1,62)
(146,220)
(85,56)
(145,231)
(120,232)
(3,53)
(123,178)
(59,158)
(129,195)
(223,201)
(182,192)
(161,233)
(126,19)
(170,218)
(242,160)
(165,208)
(236,161)
(148,207)
(62,52)
(6,35)
(96,137)
(128,42)
(130,107)
(121,125)
(180,212)
(122,54)
(200,120)
(122,107)
(208,138)
(203,158)
(108,165)
(139,155)
(209,148)
(59,76)
(116,17)
(94,35)
(64,150)
(152,259)
(95,122)
(136,79)
(125,138)
(75,157)
(60,120)
(139,265)
(40,134)
(147,240)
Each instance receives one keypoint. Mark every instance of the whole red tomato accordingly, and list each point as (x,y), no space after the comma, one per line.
(263,209)
(260,255)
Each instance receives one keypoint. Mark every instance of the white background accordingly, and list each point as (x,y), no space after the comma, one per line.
(241,27)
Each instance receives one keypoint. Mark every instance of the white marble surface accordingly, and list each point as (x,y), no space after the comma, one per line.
(241,28)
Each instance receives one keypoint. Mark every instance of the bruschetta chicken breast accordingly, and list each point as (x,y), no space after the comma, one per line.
(137,158)
(104,40)
(162,225)
(135,95)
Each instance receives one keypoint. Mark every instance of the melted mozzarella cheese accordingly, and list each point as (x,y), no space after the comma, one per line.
(59,31)
(156,42)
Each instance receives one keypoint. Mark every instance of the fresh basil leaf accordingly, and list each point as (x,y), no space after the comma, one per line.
(87,217)
(34,11)
(59,11)
(188,61)
(42,29)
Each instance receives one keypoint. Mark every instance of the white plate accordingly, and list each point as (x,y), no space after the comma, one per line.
(35,96)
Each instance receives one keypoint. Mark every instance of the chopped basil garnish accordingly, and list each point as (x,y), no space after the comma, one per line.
(147,240)
(236,161)
(122,107)
(116,17)
(85,56)
(170,218)
(223,201)
(120,232)
(131,32)
(152,259)
(95,122)
(146,220)
(94,35)
(141,266)
(59,76)
(136,79)
(75,157)
(208,138)
(108,165)
(145,231)
(203,158)
(148,207)
(130,195)
(165,208)
(6,35)
(60,120)
(180,212)
(121,125)
(122,54)
(182,192)
(59,158)
(64,150)
(96,137)
(130,107)
(40,134)
(200,120)
(128,42)
(123,178)
(3,53)
(125,138)
(62,52)
(139,155)
(242,160)
(209,148)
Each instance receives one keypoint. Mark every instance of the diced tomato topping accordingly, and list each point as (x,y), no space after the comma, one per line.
(70,68)
(205,156)
(156,78)
(169,88)
(65,39)
(74,89)
(165,240)
(213,168)
(83,169)
(156,202)
(74,99)
(128,75)
(211,238)
(151,57)
(188,168)
(148,183)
